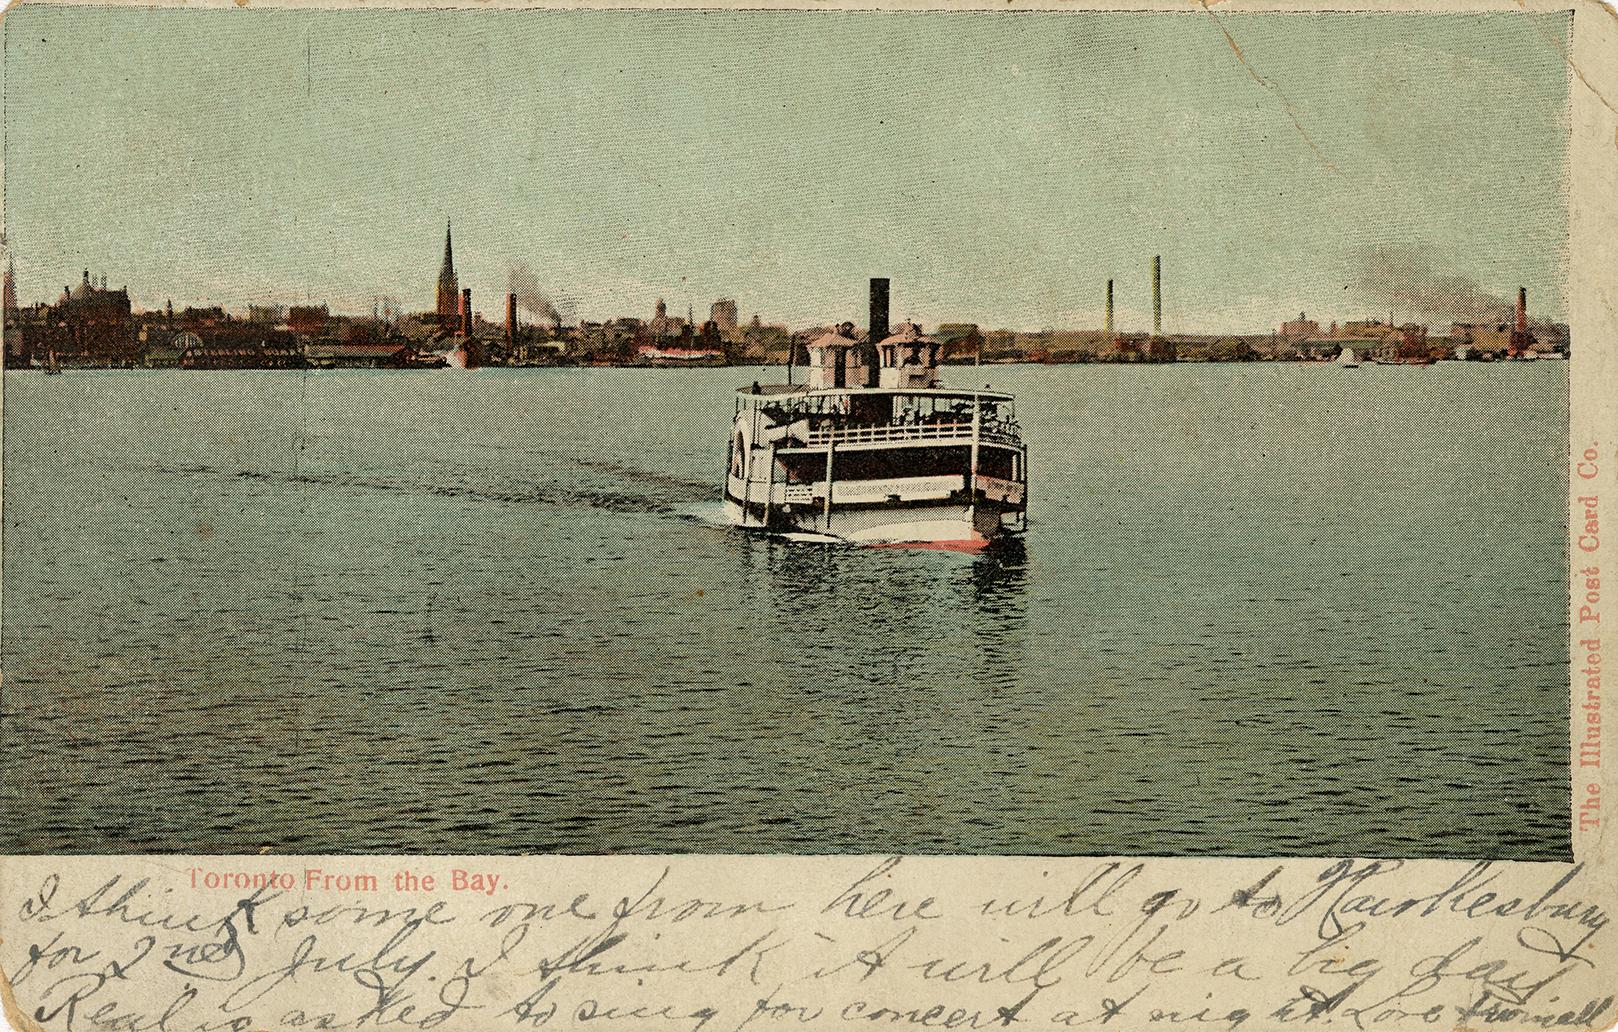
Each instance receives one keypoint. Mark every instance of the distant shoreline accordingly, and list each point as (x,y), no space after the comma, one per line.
(996,363)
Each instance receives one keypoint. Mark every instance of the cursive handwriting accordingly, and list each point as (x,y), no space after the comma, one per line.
(885,943)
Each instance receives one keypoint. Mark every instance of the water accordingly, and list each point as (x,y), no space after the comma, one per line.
(1260,609)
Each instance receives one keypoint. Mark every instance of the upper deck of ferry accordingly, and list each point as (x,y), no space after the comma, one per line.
(847,372)
(875,394)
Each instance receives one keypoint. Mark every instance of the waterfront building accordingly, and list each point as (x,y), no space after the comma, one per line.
(161,349)
(764,342)
(723,313)
(1364,329)
(962,342)
(386,355)
(663,325)
(1482,338)
(609,341)
(89,324)
(1300,327)
(1323,348)
(308,320)
(239,345)
(203,318)
(266,314)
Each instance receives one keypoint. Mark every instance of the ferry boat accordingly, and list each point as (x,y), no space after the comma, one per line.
(874,450)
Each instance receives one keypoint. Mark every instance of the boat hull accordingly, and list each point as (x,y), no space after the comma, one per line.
(940,526)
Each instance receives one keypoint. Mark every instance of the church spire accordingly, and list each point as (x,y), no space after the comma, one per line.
(449,293)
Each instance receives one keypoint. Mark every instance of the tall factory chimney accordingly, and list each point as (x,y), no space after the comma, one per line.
(1522,309)
(878,331)
(466,311)
(1157,295)
(511,320)
(1109,310)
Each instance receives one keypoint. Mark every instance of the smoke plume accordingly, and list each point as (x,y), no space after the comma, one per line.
(532,300)
(1403,281)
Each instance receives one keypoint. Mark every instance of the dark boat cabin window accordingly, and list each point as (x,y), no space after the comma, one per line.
(1000,463)
(804,469)
(892,463)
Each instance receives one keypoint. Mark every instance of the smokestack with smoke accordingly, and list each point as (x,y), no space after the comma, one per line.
(531,298)
(1403,280)
(1157,295)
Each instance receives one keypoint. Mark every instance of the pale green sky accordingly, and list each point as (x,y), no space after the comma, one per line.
(998,167)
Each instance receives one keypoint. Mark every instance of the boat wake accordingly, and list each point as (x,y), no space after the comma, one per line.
(811,538)
(711,514)
(516,494)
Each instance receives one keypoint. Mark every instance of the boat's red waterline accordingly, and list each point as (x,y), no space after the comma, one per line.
(977,544)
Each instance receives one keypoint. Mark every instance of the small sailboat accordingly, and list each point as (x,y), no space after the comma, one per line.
(1347,360)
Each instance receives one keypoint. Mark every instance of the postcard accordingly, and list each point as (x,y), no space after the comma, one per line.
(721,517)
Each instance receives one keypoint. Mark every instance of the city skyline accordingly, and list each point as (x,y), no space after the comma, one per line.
(213,162)
(388,308)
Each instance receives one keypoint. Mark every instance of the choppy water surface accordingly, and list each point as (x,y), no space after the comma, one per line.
(1263,609)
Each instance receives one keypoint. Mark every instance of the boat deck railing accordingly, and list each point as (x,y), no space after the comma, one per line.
(1003,433)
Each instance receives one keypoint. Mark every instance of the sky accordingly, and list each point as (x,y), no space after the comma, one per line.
(999,167)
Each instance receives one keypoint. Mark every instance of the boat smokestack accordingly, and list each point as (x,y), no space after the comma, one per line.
(1157,295)
(511,319)
(466,312)
(1522,309)
(1109,310)
(878,331)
